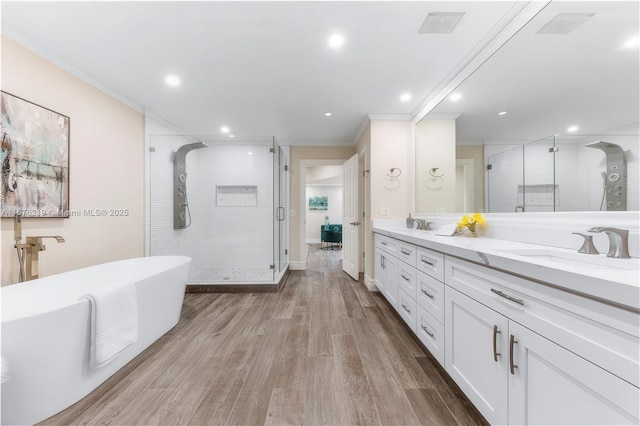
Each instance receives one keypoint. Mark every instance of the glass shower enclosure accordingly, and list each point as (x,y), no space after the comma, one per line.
(222,203)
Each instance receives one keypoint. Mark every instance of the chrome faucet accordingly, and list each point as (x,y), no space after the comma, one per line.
(618,241)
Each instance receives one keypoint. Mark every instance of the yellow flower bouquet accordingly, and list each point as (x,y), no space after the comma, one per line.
(470,222)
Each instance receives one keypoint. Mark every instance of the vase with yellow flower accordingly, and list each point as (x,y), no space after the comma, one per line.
(470,223)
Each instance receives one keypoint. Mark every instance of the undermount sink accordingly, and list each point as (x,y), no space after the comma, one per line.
(575,259)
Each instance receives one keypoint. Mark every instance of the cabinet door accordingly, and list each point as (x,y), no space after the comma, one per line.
(390,265)
(378,272)
(475,355)
(551,385)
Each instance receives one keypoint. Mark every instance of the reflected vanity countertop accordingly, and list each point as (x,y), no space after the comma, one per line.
(597,276)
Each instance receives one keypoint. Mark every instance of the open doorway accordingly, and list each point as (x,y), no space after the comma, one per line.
(323,195)
(311,220)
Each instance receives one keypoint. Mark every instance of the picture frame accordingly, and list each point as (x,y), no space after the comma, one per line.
(320,202)
(34,154)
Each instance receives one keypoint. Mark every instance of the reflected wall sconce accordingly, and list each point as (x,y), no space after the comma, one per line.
(432,182)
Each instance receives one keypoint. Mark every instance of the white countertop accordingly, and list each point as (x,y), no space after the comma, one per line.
(612,280)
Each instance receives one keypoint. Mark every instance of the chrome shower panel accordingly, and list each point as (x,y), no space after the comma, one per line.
(180,201)
(615,186)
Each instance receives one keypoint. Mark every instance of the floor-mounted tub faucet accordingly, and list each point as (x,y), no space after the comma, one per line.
(35,246)
(618,241)
(28,251)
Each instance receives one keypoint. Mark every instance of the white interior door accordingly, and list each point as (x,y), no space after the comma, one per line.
(350,218)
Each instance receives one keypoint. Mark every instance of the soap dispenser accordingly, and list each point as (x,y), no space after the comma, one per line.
(409,222)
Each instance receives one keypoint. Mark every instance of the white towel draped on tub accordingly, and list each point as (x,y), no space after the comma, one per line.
(114,321)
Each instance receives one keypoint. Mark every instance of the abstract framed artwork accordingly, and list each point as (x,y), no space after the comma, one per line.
(320,202)
(35,159)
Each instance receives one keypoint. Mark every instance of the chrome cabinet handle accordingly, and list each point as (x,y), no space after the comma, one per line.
(506,296)
(428,262)
(383,243)
(430,296)
(427,331)
(404,277)
(406,309)
(403,251)
(512,366)
(495,338)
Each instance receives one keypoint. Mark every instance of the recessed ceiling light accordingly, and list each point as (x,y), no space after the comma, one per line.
(232,136)
(503,112)
(405,97)
(172,80)
(455,97)
(572,129)
(225,129)
(328,114)
(632,42)
(336,41)
(250,153)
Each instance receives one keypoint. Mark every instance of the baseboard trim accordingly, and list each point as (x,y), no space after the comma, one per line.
(370,283)
(240,288)
(296,265)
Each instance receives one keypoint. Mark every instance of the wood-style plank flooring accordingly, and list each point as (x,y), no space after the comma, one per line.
(324,350)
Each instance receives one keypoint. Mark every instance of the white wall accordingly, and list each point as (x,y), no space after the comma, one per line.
(106,169)
(315,218)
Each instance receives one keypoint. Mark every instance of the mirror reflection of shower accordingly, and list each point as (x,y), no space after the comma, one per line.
(180,201)
(614,195)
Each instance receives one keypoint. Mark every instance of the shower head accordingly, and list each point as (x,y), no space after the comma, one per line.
(191,146)
(182,152)
(607,147)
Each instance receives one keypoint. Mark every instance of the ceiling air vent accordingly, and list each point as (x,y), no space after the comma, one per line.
(440,22)
(564,23)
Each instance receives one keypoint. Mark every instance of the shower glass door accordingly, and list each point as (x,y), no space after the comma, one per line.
(229,197)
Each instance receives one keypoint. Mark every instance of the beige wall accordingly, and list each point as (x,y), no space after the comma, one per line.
(106,168)
(386,144)
(476,153)
(299,153)
(435,147)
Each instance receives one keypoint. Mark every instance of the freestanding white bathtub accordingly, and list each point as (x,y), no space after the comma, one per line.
(46,334)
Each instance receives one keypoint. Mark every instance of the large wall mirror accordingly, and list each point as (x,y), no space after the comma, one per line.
(548,123)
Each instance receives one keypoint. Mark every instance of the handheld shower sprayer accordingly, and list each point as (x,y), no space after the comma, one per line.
(180,203)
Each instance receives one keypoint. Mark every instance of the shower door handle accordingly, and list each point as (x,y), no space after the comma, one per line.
(279,217)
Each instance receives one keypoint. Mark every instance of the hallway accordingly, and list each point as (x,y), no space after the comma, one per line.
(324,350)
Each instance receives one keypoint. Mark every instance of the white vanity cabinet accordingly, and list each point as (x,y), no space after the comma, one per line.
(496,352)
(430,298)
(386,268)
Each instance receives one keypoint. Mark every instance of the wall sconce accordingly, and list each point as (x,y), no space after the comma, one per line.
(393,181)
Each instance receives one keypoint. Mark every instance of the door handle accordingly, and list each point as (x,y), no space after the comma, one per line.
(512,366)
(356,224)
(495,337)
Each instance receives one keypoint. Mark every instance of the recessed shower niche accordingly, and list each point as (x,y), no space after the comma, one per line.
(229,207)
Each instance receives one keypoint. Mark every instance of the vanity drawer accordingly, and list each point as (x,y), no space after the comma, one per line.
(431,262)
(407,309)
(407,253)
(386,244)
(430,295)
(431,334)
(407,279)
